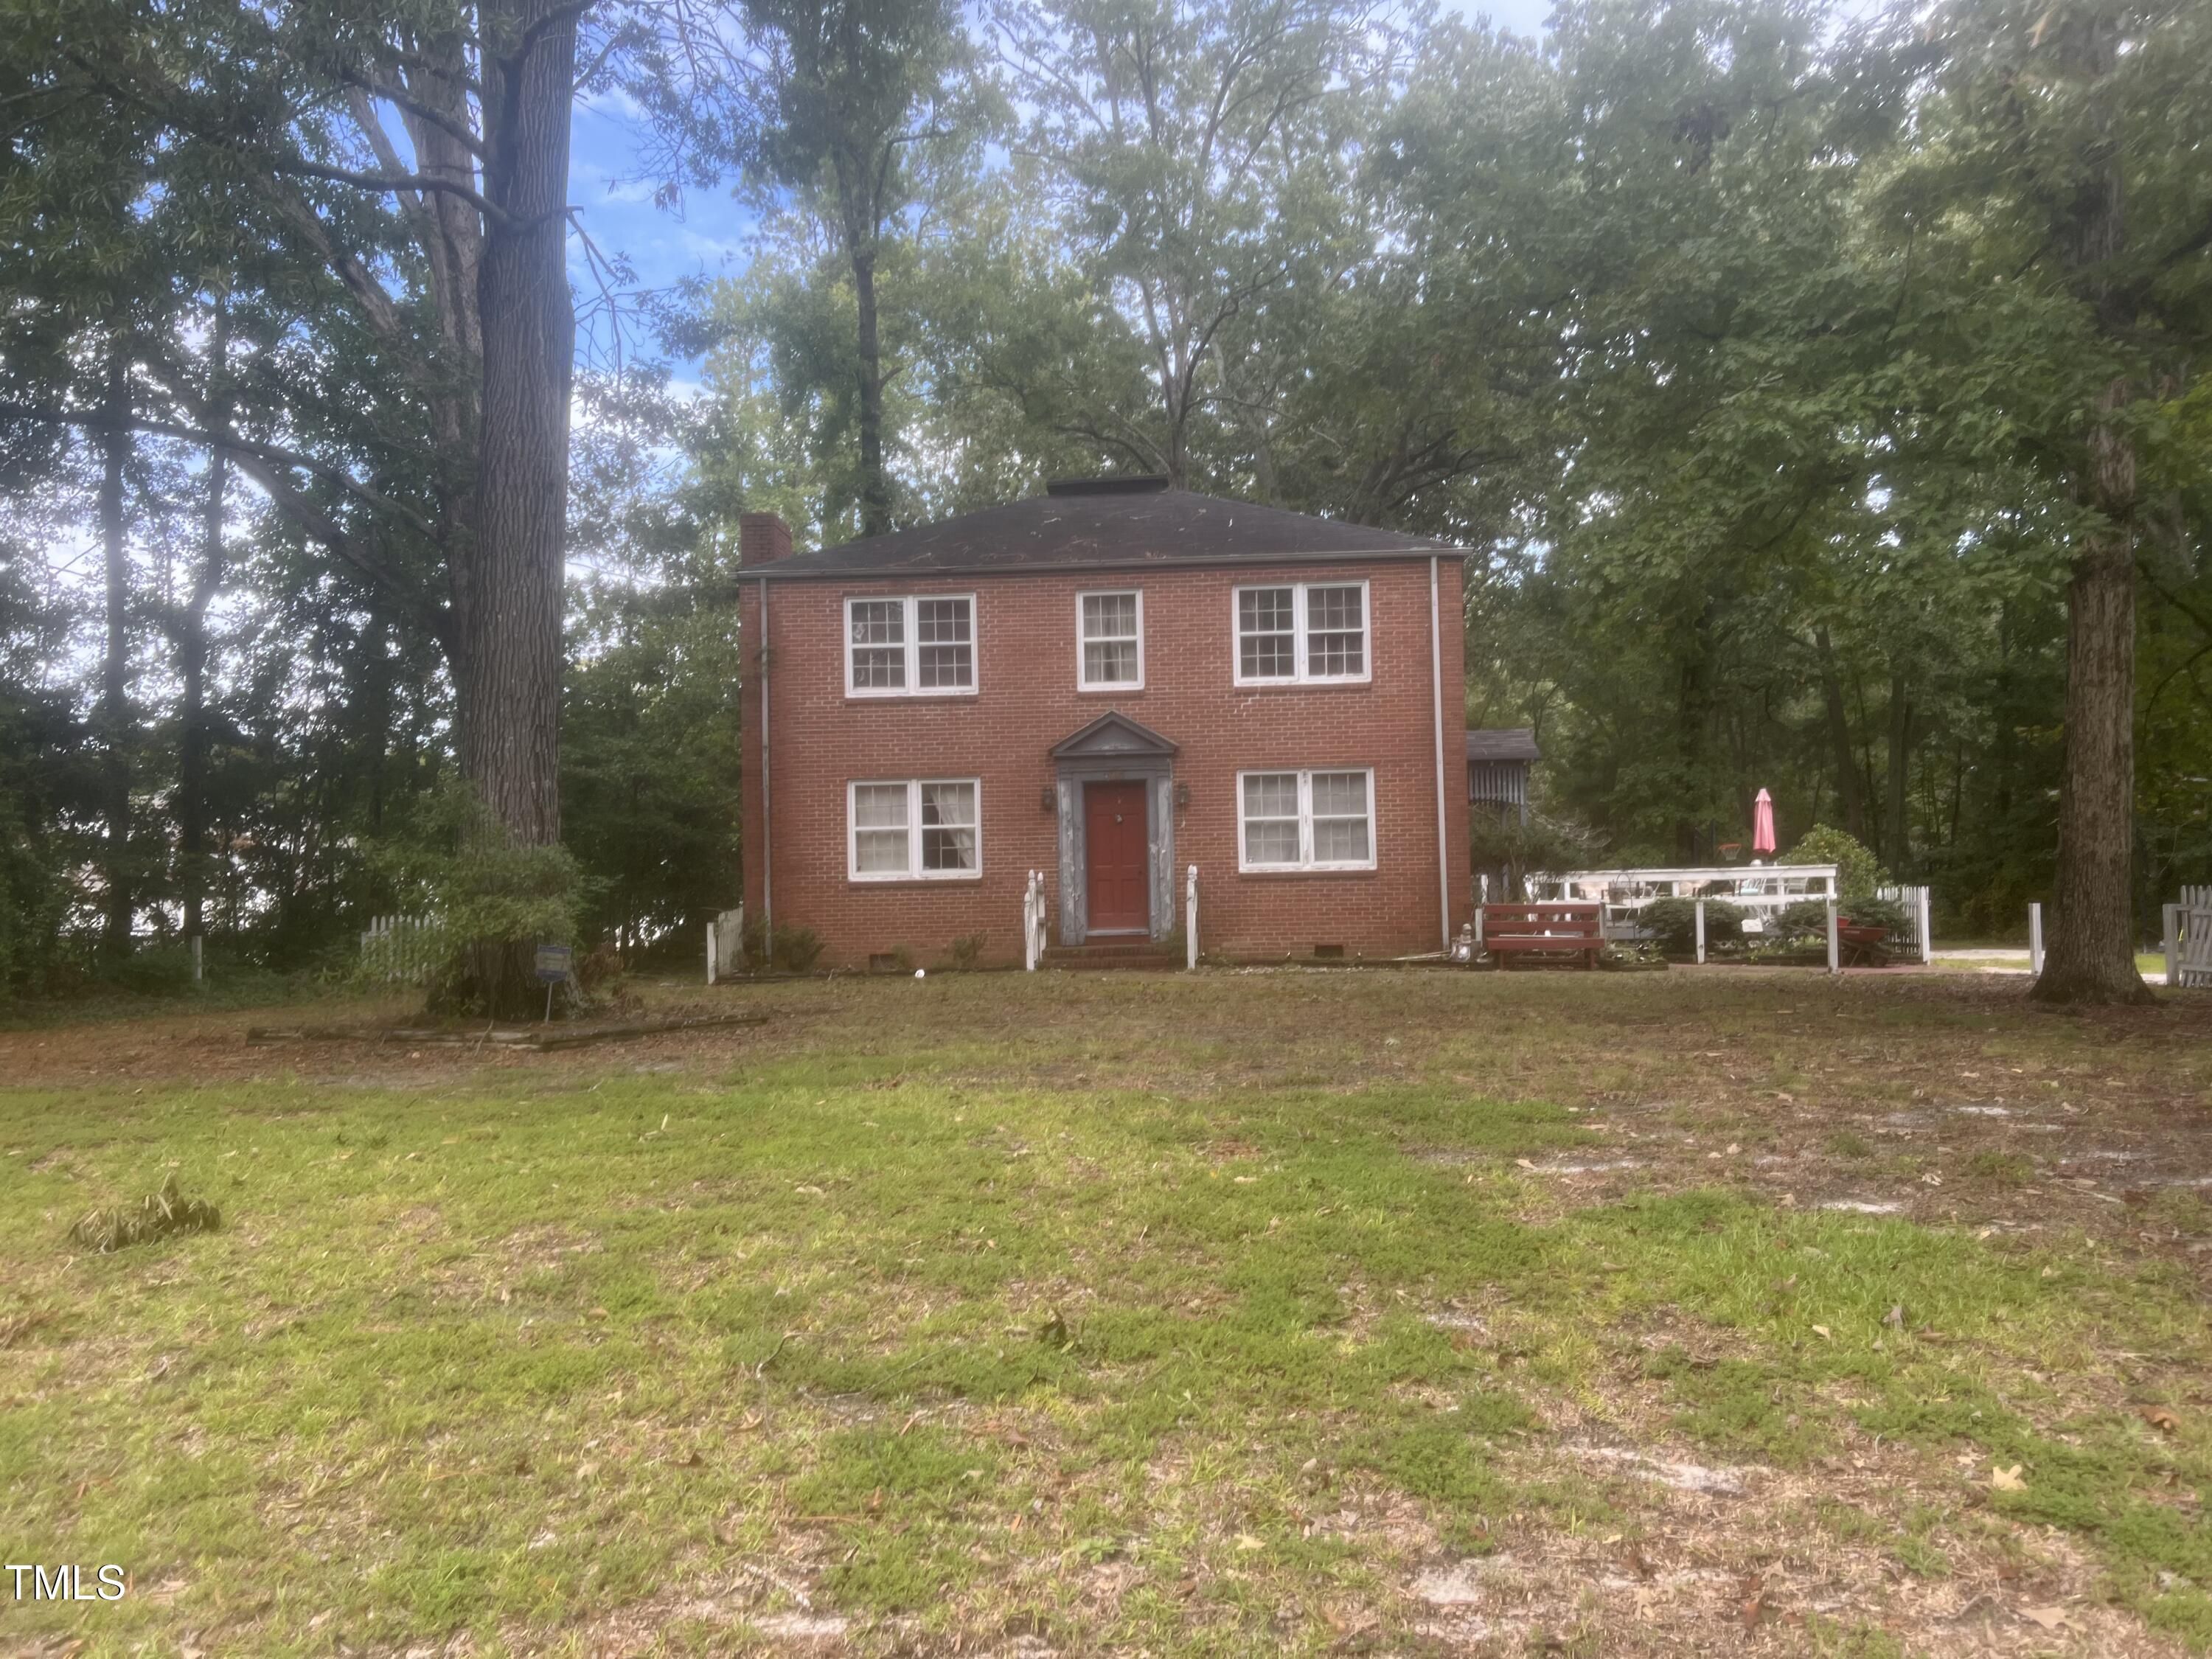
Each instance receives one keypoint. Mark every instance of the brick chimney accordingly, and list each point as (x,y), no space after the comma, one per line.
(763,538)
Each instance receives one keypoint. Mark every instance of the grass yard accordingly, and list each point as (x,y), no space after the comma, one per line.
(1252,1312)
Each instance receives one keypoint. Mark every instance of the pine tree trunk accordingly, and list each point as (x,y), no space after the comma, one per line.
(1850,794)
(508,582)
(115,665)
(193,654)
(875,486)
(2090,956)
(1895,850)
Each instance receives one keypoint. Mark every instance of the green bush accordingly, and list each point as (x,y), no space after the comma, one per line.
(1673,924)
(1858,872)
(493,898)
(1806,918)
(1882,913)
(967,952)
(795,950)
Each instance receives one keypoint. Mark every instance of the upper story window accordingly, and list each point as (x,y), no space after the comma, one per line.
(1306,820)
(918,646)
(1110,636)
(1302,633)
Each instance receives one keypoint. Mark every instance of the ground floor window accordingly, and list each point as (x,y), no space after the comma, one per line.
(1306,820)
(925,828)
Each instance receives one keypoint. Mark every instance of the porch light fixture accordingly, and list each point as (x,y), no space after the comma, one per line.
(1182,794)
(1046,802)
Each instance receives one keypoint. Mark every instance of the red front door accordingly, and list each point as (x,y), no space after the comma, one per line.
(1113,840)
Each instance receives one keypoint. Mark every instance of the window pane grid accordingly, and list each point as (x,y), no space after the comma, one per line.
(1110,630)
(1301,634)
(919,829)
(909,646)
(1308,820)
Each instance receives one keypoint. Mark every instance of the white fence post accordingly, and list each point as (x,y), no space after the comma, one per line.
(2035,940)
(1033,921)
(1835,955)
(1190,919)
(1926,927)
(710,953)
(1701,933)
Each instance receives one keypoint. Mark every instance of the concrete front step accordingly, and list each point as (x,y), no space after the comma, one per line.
(1134,953)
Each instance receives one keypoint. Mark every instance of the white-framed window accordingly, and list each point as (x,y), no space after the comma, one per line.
(1301,633)
(915,829)
(917,645)
(1110,641)
(1311,820)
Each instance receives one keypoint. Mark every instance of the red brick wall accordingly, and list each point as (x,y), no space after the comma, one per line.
(1026,701)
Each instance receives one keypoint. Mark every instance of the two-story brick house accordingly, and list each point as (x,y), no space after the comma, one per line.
(1109,683)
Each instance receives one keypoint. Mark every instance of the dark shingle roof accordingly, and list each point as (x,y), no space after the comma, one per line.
(1105,524)
(1516,743)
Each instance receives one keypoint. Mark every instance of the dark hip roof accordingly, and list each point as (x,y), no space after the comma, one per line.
(1117,528)
(1516,743)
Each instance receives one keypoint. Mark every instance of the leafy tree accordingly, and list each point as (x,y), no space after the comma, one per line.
(422,439)
(2078,286)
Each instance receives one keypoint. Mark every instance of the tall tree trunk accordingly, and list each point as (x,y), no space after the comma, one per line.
(1894,836)
(193,652)
(2090,956)
(115,665)
(875,485)
(1850,794)
(507,580)
(1692,719)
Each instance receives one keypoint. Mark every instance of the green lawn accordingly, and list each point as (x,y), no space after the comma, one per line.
(1247,1314)
(2151,964)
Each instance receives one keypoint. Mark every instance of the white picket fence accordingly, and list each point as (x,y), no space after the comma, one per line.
(1916,901)
(2189,938)
(399,950)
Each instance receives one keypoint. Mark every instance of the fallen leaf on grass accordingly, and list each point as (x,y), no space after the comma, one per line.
(2006,1480)
(1824,1332)
(2161,1418)
(2049,1617)
(1246,1541)
(1895,1317)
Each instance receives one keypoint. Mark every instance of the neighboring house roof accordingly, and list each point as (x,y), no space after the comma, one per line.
(1514,744)
(1104,524)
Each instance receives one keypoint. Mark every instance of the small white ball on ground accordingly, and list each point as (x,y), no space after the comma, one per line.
(922,973)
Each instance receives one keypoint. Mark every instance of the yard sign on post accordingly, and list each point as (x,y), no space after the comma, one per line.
(554,962)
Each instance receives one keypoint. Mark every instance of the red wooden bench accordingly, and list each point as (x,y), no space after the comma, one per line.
(1555,931)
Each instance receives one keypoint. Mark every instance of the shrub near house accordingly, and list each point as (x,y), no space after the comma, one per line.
(1107,684)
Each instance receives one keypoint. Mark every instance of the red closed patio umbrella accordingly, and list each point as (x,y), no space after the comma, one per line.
(1762,823)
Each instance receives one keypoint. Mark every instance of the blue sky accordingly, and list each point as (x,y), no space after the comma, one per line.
(706,235)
